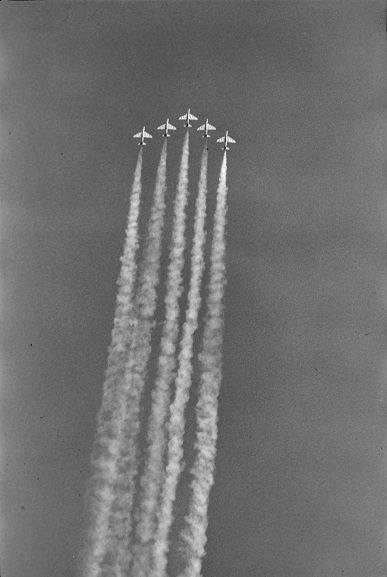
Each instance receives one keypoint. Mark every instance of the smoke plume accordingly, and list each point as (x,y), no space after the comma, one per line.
(135,377)
(194,533)
(153,474)
(183,379)
(106,450)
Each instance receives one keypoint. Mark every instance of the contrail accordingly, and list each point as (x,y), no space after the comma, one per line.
(194,533)
(135,376)
(106,445)
(176,424)
(153,473)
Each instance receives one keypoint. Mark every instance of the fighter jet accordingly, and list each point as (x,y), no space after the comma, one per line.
(188,117)
(142,135)
(166,127)
(206,127)
(226,139)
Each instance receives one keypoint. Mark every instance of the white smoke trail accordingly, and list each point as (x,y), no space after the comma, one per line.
(135,377)
(183,381)
(106,445)
(194,533)
(153,473)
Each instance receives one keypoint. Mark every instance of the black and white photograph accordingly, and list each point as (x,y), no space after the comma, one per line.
(193,288)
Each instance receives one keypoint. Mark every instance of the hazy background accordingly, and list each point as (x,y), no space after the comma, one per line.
(301,470)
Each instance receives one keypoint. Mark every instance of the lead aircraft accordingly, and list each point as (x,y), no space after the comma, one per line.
(188,117)
(142,135)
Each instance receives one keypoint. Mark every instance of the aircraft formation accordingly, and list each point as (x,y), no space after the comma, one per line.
(206,127)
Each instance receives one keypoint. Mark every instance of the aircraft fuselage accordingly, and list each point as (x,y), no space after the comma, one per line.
(142,141)
(166,129)
(225,147)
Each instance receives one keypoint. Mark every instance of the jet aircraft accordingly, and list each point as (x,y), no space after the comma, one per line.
(142,135)
(226,139)
(188,117)
(167,126)
(206,127)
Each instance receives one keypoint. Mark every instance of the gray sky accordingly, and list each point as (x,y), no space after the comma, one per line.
(301,470)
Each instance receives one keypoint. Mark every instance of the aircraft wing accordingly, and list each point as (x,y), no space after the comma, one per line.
(184,117)
(229,139)
(138,135)
(161,127)
(170,126)
(147,135)
(210,127)
(221,139)
(202,127)
(191,117)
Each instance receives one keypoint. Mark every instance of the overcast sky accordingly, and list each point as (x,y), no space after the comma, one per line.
(301,476)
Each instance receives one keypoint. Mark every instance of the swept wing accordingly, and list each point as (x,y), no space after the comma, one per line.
(229,139)
(166,125)
(187,117)
(209,127)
